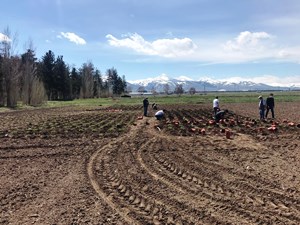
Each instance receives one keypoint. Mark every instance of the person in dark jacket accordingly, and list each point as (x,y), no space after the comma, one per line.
(145,104)
(220,115)
(270,105)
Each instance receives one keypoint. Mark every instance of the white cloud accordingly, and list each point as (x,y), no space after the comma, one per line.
(245,47)
(169,48)
(73,38)
(283,21)
(249,46)
(290,54)
(3,37)
(247,41)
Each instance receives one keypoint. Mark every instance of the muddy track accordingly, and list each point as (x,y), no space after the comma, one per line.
(148,177)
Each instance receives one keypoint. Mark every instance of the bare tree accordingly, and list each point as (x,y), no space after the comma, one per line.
(179,89)
(87,86)
(39,95)
(10,69)
(192,91)
(29,77)
(12,81)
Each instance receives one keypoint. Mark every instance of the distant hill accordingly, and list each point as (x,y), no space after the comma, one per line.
(158,84)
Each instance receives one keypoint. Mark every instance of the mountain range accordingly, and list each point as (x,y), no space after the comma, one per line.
(159,83)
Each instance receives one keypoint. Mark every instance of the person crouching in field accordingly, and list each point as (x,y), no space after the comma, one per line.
(160,114)
(154,106)
(220,115)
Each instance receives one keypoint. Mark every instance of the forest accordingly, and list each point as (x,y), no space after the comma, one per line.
(25,78)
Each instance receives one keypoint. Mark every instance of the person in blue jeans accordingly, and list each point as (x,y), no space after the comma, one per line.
(270,105)
(261,108)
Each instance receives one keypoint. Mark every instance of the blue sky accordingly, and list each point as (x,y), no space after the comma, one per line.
(257,40)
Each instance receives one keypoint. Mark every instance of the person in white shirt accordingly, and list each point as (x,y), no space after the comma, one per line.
(261,107)
(160,114)
(216,105)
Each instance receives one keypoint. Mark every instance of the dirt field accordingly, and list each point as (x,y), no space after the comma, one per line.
(107,166)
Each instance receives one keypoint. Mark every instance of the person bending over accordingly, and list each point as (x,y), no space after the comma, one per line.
(160,114)
(220,115)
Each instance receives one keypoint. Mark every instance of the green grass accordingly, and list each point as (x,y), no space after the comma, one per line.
(224,97)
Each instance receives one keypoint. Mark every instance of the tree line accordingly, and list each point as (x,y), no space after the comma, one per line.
(178,89)
(33,81)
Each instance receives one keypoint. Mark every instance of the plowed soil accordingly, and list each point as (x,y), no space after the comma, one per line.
(110,166)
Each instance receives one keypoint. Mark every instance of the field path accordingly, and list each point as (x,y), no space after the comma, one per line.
(92,168)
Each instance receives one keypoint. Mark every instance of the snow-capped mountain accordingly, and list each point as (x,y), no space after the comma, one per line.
(205,84)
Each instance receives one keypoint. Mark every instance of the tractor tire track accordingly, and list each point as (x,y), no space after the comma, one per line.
(148,177)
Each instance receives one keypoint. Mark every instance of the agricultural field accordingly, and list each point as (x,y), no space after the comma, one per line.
(109,165)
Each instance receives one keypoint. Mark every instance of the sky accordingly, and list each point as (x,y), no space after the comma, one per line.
(231,40)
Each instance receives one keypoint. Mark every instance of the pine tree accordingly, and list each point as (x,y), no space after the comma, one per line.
(62,79)
(116,83)
(75,84)
(46,72)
